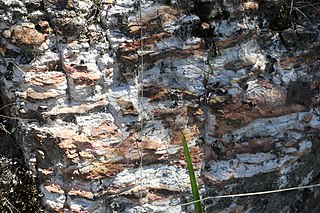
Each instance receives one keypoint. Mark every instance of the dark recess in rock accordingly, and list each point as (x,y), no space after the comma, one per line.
(203,32)
(299,93)
(277,15)
(18,189)
(11,53)
(204,9)
(269,66)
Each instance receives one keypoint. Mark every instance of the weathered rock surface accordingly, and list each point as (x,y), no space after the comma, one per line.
(103,92)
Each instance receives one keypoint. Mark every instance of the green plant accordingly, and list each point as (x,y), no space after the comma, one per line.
(193,181)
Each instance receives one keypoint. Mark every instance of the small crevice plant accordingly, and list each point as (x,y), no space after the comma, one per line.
(193,181)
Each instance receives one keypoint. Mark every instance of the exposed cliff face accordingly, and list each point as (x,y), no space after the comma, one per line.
(104,91)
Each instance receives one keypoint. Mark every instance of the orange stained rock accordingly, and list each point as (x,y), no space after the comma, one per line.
(251,5)
(126,107)
(254,145)
(105,129)
(81,76)
(54,188)
(46,79)
(155,92)
(75,145)
(46,171)
(80,192)
(25,36)
(195,154)
(308,117)
(81,138)
(51,66)
(146,143)
(31,94)
(264,100)
(232,40)
(264,95)
(205,25)
(67,144)
(44,26)
(100,170)
(193,50)
(153,196)
(82,108)
(129,148)
(3,48)
(107,1)
(190,132)
(171,11)
(233,120)
(147,42)
(86,154)
(63,133)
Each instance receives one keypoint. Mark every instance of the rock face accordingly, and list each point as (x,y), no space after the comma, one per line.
(103,89)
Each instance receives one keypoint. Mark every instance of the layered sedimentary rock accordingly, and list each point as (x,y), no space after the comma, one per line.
(103,89)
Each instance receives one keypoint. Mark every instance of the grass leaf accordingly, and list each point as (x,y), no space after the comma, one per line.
(194,186)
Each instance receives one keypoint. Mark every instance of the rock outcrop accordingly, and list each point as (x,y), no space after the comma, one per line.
(102,90)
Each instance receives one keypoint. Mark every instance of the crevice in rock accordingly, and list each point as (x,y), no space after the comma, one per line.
(18,187)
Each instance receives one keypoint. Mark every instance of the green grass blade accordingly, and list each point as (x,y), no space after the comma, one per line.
(194,186)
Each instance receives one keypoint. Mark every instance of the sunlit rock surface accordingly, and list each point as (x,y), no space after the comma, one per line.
(103,91)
